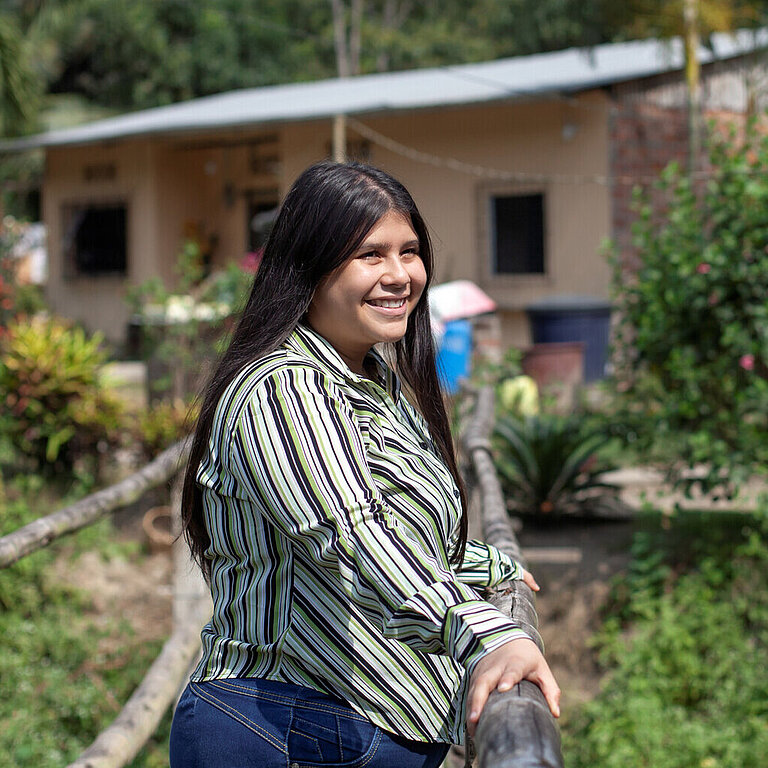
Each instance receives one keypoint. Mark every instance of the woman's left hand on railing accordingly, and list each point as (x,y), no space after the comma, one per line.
(517,660)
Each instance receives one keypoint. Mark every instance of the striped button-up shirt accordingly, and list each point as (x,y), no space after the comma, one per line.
(331,517)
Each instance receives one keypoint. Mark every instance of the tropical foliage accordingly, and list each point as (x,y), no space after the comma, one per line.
(54,407)
(692,345)
(548,466)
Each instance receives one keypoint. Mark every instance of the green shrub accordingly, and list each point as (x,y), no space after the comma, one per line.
(548,465)
(65,670)
(54,409)
(163,424)
(686,660)
(692,343)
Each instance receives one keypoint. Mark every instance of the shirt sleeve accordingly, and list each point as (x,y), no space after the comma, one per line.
(485,566)
(296,450)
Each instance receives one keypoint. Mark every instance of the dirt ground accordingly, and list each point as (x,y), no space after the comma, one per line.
(572,593)
(136,589)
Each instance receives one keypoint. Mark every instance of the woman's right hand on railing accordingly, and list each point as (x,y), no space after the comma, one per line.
(517,660)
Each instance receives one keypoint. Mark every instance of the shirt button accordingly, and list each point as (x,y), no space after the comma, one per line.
(456,493)
(424,444)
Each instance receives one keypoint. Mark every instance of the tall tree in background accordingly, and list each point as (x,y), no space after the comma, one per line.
(142,53)
(20,88)
(347,30)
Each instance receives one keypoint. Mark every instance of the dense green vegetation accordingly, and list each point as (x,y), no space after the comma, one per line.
(65,669)
(692,344)
(150,52)
(684,647)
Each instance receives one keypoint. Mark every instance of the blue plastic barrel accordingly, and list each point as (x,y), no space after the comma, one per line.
(574,318)
(454,355)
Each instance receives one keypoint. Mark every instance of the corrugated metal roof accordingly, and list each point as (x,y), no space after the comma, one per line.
(569,71)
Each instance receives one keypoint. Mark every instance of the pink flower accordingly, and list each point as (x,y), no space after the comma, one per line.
(747,362)
(703,268)
(250,262)
(713,299)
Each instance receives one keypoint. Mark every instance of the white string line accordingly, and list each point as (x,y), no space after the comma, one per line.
(496,174)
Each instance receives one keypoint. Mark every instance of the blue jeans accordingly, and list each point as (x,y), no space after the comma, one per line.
(254,723)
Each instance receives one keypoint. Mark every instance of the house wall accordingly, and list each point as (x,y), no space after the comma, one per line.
(173,190)
(559,147)
(206,184)
(200,187)
(123,173)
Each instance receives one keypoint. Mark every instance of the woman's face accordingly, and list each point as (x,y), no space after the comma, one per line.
(370,297)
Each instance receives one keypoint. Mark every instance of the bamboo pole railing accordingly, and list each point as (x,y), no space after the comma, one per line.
(122,740)
(516,728)
(41,532)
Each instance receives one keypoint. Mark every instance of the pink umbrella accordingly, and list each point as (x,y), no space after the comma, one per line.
(459,299)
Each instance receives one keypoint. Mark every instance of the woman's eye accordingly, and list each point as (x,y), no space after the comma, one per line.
(369,255)
(411,253)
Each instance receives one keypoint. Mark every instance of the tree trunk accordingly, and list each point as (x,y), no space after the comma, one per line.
(340,38)
(693,81)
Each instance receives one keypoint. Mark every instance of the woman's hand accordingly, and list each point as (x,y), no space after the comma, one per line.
(512,662)
(530,581)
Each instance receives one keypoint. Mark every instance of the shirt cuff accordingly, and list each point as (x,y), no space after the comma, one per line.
(509,570)
(471,627)
(474,629)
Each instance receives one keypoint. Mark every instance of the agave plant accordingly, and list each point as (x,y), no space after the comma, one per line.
(548,466)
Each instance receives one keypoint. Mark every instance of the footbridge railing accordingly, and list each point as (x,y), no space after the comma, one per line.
(121,741)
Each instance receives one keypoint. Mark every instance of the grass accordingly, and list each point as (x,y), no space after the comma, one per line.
(65,669)
(684,647)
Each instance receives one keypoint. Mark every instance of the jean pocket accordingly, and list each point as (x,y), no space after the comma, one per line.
(330,736)
(261,713)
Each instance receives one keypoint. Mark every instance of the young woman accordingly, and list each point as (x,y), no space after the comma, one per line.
(325,508)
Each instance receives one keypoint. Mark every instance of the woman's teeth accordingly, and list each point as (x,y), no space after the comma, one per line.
(387,303)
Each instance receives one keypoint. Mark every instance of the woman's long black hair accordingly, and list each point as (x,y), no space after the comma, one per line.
(324,218)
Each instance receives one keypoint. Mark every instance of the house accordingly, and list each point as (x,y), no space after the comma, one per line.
(522,167)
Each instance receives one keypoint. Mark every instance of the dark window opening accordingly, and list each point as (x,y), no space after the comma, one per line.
(95,240)
(518,234)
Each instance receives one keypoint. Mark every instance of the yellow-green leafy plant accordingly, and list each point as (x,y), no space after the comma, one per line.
(53,408)
(519,396)
(161,425)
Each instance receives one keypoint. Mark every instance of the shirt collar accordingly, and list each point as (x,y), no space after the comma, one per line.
(307,341)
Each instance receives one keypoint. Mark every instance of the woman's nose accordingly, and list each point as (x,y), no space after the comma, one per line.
(395,272)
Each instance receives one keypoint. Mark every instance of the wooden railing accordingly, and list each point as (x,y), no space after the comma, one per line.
(44,530)
(516,728)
